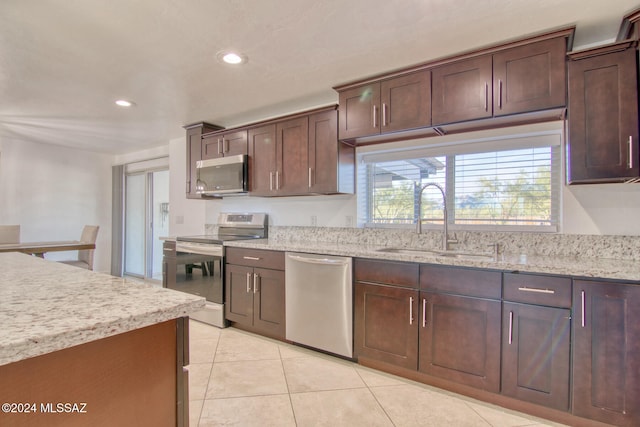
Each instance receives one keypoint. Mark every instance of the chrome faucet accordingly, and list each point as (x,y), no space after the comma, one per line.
(445,232)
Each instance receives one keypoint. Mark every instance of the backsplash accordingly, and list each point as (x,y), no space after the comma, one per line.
(565,245)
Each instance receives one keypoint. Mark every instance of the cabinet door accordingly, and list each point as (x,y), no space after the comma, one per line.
(292,161)
(606,361)
(386,324)
(323,152)
(462,91)
(460,339)
(239,294)
(529,78)
(234,143)
(536,354)
(359,111)
(212,147)
(194,154)
(603,118)
(406,102)
(262,159)
(268,303)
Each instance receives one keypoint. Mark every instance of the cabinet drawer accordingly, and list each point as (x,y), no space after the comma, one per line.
(403,274)
(255,258)
(536,289)
(461,281)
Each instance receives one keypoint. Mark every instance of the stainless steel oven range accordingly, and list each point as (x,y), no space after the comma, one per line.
(195,264)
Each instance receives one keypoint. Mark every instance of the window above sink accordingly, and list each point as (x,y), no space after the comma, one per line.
(503,182)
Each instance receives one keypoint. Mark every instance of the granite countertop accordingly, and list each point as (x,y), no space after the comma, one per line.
(47,306)
(569,266)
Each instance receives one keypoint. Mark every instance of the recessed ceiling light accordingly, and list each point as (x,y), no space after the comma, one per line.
(124,103)
(233,58)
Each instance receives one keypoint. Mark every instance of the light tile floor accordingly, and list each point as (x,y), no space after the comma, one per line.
(240,379)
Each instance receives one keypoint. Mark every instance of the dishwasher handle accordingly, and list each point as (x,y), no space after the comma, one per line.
(321,261)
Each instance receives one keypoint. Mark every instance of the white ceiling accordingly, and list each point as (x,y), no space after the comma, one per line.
(63,63)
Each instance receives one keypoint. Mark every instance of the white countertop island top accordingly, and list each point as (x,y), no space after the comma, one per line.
(47,306)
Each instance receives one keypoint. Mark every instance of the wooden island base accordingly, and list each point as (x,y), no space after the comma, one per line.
(126,379)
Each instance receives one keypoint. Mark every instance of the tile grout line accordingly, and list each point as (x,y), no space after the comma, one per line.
(204,398)
(374,396)
(286,382)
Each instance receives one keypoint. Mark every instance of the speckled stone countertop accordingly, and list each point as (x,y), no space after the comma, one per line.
(47,306)
(619,269)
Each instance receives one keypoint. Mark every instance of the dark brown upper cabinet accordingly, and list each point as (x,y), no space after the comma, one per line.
(300,155)
(389,105)
(530,77)
(603,115)
(224,144)
(462,91)
(262,159)
(194,153)
(521,79)
(331,162)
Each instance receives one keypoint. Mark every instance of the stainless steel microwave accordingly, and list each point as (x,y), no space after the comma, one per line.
(222,176)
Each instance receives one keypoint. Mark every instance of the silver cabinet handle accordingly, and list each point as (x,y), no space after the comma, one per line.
(375,114)
(486,96)
(630,162)
(256,280)
(510,327)
(277,180)
(384,114)
(169,250)
(248,282)
(309,177)
(582,297)
(252,258)
(225,145)
(270,181)
(411,310)
(500,94)
(219,151)
(538,290)
(424,312)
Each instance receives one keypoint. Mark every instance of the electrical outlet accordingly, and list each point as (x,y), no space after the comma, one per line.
(314,220)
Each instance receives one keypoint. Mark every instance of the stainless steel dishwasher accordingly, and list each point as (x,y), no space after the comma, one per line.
(319,302)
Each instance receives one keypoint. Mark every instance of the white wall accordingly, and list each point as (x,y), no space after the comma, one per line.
(329,211)
(186,216)
(52,192)
(608,209)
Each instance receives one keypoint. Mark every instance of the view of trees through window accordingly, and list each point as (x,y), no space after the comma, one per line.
(493,188)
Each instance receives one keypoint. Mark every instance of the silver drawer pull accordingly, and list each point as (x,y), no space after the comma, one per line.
(424,312)
(510,327)
(251,258)
(169,250)
(538,290)
(411,310)
(248,282)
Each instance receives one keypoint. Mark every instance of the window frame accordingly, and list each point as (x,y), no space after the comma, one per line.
(549,134)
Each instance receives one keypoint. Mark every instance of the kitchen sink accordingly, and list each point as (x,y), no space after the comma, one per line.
(439,253)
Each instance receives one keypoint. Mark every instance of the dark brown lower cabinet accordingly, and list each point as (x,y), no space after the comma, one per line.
(536,344)
(255,299)
(460,339)
(606,355)
(385,324)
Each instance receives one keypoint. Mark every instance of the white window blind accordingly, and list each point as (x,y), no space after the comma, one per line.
(496,184)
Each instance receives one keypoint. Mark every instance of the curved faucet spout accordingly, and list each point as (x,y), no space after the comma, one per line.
(445,231)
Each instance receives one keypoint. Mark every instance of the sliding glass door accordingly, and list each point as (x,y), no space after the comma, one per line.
(146,220)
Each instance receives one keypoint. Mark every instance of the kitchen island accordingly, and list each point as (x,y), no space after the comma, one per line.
(84,348)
